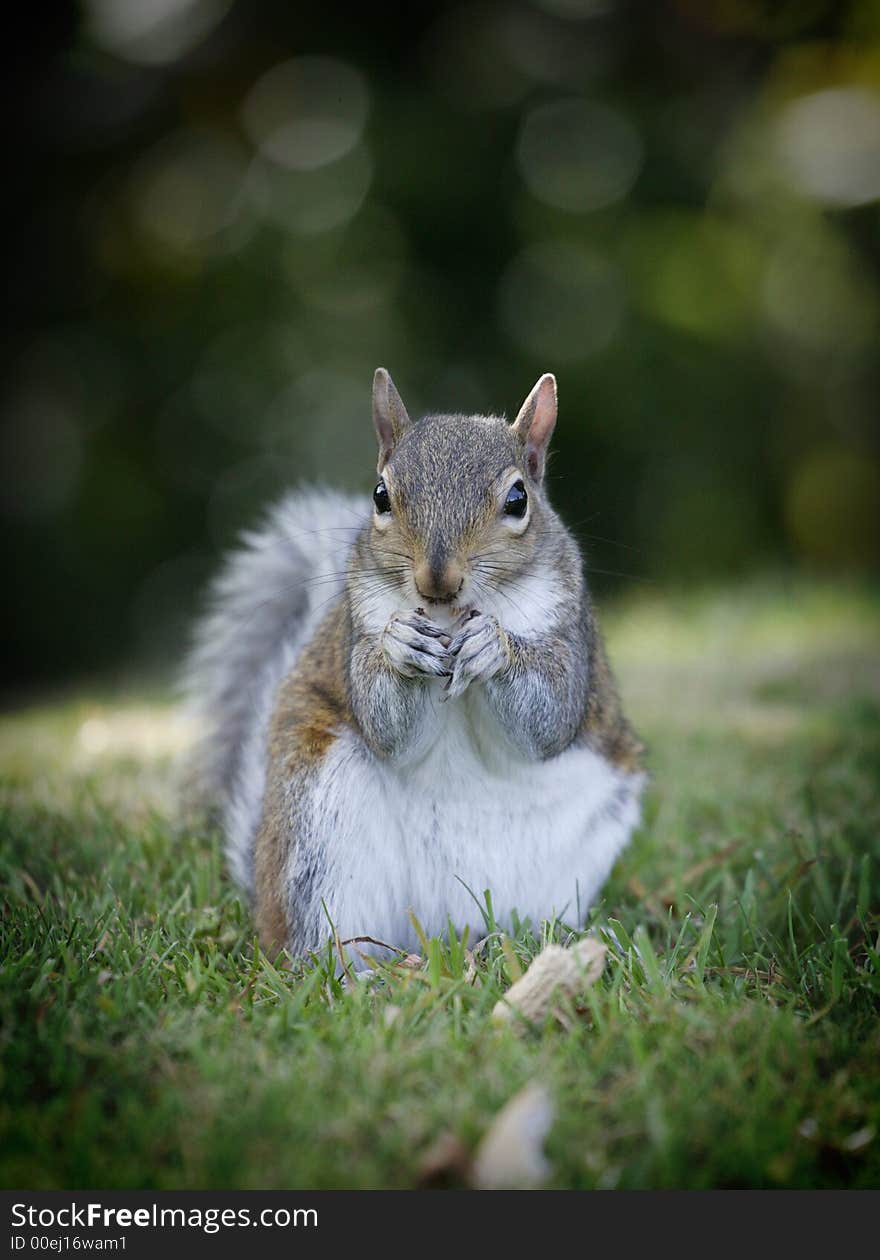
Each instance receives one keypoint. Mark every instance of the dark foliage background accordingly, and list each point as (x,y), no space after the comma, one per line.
(221,217)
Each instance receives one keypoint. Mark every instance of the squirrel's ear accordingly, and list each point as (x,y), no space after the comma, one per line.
(535,424)
(389,415)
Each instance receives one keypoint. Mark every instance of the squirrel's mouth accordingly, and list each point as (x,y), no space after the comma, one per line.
(445,610)
(436,602)
(441,601)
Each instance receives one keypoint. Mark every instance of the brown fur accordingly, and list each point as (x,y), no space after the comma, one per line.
(604,727)
(312,705)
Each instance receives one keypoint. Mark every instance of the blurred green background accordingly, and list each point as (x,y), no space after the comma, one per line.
(224,215)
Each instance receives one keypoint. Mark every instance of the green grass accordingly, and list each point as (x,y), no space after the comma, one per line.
(733,1039)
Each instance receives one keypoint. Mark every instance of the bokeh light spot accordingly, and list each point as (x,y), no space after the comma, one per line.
(695,272)
(310,202)
(186,194)
(352,272)
(833,508)
(40,454)
(829,144)
(306,112)
(236,378)
(560,302)
(578,156)
(322,420)
(815,296)
(152,32)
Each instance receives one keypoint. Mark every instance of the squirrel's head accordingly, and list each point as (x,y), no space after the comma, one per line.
(460,502)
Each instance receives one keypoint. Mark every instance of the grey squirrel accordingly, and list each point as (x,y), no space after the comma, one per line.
(408,703)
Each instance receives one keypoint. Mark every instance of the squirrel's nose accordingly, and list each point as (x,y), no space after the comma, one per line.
(438,582)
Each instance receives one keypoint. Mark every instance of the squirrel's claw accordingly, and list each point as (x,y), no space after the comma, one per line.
(480,650)
(414,646)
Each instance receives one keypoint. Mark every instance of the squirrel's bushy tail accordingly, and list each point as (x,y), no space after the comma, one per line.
(262,607)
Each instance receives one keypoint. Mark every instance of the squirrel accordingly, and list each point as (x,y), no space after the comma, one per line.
(408,703)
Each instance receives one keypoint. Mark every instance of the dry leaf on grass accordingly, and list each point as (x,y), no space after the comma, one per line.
(471,975)
(511,1154)
(556,972)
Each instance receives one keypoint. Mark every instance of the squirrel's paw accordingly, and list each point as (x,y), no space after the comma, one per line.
(413,645)
(480,649)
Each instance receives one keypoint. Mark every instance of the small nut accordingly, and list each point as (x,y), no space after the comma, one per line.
(556,972)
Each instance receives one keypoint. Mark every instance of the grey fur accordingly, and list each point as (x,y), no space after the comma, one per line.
(260,607)
(390,708)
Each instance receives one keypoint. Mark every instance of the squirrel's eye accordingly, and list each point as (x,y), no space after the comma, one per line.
(517,500)
(381,499)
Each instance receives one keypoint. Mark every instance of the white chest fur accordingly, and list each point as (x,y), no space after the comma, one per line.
(471,814)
